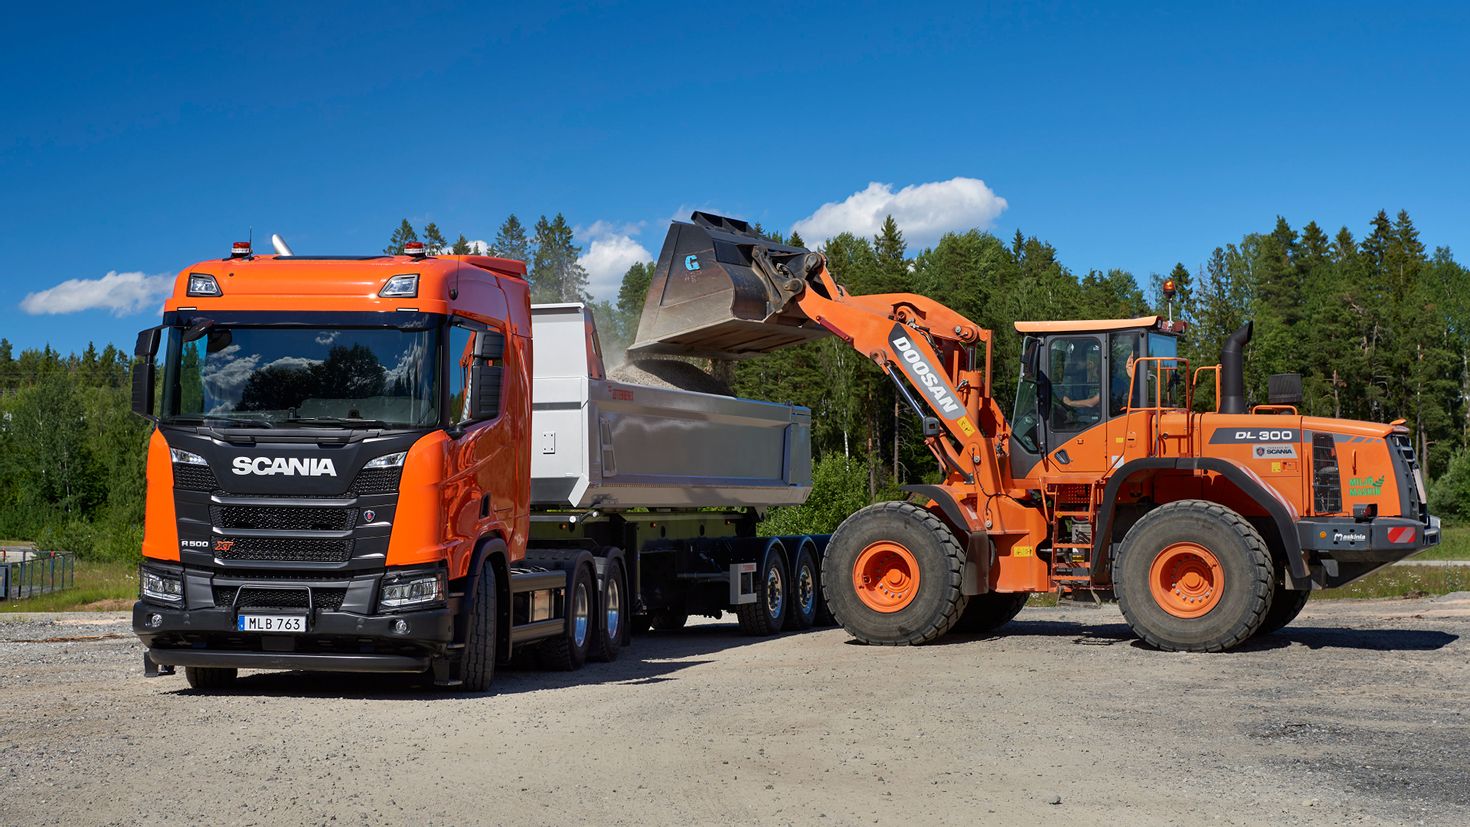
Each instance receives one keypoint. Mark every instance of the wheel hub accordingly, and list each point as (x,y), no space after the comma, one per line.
(1186,580)
(886,576)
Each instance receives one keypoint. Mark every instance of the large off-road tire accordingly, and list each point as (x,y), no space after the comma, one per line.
(891,575)
(1286,604)
(772,603)
(985,613)
(478,667)
(1193,576)
(806,594)
(208,678)
(568,650)
(612,625)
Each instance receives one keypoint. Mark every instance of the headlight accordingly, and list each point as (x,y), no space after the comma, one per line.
(203,284)
(165,588)
(412,591)
(186,457)
(390,461)
(401,287)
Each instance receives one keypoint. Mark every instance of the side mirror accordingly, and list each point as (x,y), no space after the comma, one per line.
(1030,357)
(143,372)
(487,375)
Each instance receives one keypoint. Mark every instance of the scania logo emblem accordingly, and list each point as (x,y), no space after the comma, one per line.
(369,515)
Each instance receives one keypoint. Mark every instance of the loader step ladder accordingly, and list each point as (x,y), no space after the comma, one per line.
(1073,510)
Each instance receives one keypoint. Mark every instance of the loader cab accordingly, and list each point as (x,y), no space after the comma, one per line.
(1076,385)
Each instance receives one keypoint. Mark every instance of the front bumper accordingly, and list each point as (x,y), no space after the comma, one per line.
(1341,549)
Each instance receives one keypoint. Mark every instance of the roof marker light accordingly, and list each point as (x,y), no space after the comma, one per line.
(415,249)
(241,249)
(405,286)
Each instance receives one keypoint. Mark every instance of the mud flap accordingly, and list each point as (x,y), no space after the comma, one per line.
(154,670)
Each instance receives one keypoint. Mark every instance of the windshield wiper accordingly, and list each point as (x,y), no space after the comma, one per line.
(203,419)
(340,421)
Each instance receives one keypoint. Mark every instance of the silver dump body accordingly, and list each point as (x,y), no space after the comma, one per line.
(598,443)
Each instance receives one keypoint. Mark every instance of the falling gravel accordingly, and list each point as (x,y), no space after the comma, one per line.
(669,373)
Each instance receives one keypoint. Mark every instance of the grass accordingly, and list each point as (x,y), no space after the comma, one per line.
(1454,544)
(100,587)
(1404,581)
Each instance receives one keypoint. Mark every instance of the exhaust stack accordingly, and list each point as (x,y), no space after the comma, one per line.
(280,244)
(1232,371)
(722,291)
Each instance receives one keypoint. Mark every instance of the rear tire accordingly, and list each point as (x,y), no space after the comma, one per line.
(768,613)
(612,626)
(806,594)
(479,645)
(568,650)
(891,575)
(987,612)
(1193,576)
(1286,604)
(208,678)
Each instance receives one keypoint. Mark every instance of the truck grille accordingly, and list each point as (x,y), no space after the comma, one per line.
(194,477)
(286,550)
(283,518)
(329,599)
(376,481)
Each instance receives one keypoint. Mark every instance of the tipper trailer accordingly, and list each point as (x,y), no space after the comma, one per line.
(397,464)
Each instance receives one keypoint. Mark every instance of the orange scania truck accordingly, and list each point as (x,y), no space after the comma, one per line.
(372,464)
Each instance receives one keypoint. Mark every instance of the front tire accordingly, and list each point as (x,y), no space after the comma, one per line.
(891,575)
(1193,576)
(479,645)
(210,678)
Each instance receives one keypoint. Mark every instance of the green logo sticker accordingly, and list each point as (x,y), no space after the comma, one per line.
(1365,486)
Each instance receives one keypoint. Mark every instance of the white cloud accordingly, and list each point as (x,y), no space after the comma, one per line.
(611,250)
(122,294)
(924,212)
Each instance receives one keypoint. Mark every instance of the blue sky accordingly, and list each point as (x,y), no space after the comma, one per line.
(1128,135)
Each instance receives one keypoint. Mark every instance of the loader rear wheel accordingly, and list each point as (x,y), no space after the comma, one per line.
(772,603)
(1193,576)
(806,595)
(1286,604)
(987,612)
(207,678)
(891,575)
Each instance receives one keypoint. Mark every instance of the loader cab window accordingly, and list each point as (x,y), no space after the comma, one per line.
(1075,372)
(1123,348)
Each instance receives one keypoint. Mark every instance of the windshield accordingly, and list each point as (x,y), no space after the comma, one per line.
(279,376)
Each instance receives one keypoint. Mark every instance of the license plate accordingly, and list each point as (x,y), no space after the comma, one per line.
(272,623)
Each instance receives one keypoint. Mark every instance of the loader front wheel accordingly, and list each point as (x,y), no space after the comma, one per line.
(1193,576)
(891,575)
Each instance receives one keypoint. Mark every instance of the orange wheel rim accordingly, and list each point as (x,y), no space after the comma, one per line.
(1187,580)
(886,576)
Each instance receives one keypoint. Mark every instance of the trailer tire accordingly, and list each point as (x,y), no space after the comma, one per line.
(209,678)
(663,620)
(1193,576)
(568,651)
(768,613)
(612,625)
(478,667)
(987,612)
(806,592)
(1286,604)
(891,575)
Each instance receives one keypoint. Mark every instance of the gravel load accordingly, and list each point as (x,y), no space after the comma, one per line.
(668,373)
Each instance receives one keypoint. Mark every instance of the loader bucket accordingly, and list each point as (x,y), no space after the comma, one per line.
(722,291)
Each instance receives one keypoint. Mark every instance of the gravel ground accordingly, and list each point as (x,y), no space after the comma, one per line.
(1357,713)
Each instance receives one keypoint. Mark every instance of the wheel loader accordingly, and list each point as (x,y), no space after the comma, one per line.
(1207,527)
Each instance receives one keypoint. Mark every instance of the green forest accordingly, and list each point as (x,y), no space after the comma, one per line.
(1377,323)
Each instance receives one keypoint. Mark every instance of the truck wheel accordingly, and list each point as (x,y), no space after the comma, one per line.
(805,593)
(479,645)
(210,677)
(664,620)
(1286,604)
(568,650)
(1193,576)
(891,575)
(612,625)
(988,612)
(767,614)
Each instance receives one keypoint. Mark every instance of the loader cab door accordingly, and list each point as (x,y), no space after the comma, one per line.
(1061,400)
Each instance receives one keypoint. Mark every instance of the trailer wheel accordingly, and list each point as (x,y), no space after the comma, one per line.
(568,650)
(612,625)
(207,678)
(768,613)
(1286,604)
(664,620)
(478,669)
(806,593)
(891,575)
(1193,576)
(987,612)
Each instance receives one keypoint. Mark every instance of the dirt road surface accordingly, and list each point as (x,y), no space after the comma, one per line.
(1358,713)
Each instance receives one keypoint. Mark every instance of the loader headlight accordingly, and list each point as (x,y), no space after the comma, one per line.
(418,589)
(162,587)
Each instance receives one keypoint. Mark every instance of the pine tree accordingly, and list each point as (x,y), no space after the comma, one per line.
(461,246)
(510,241)
(795,240)
(434,241)
(401,236)
(555,274)
(889,251)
